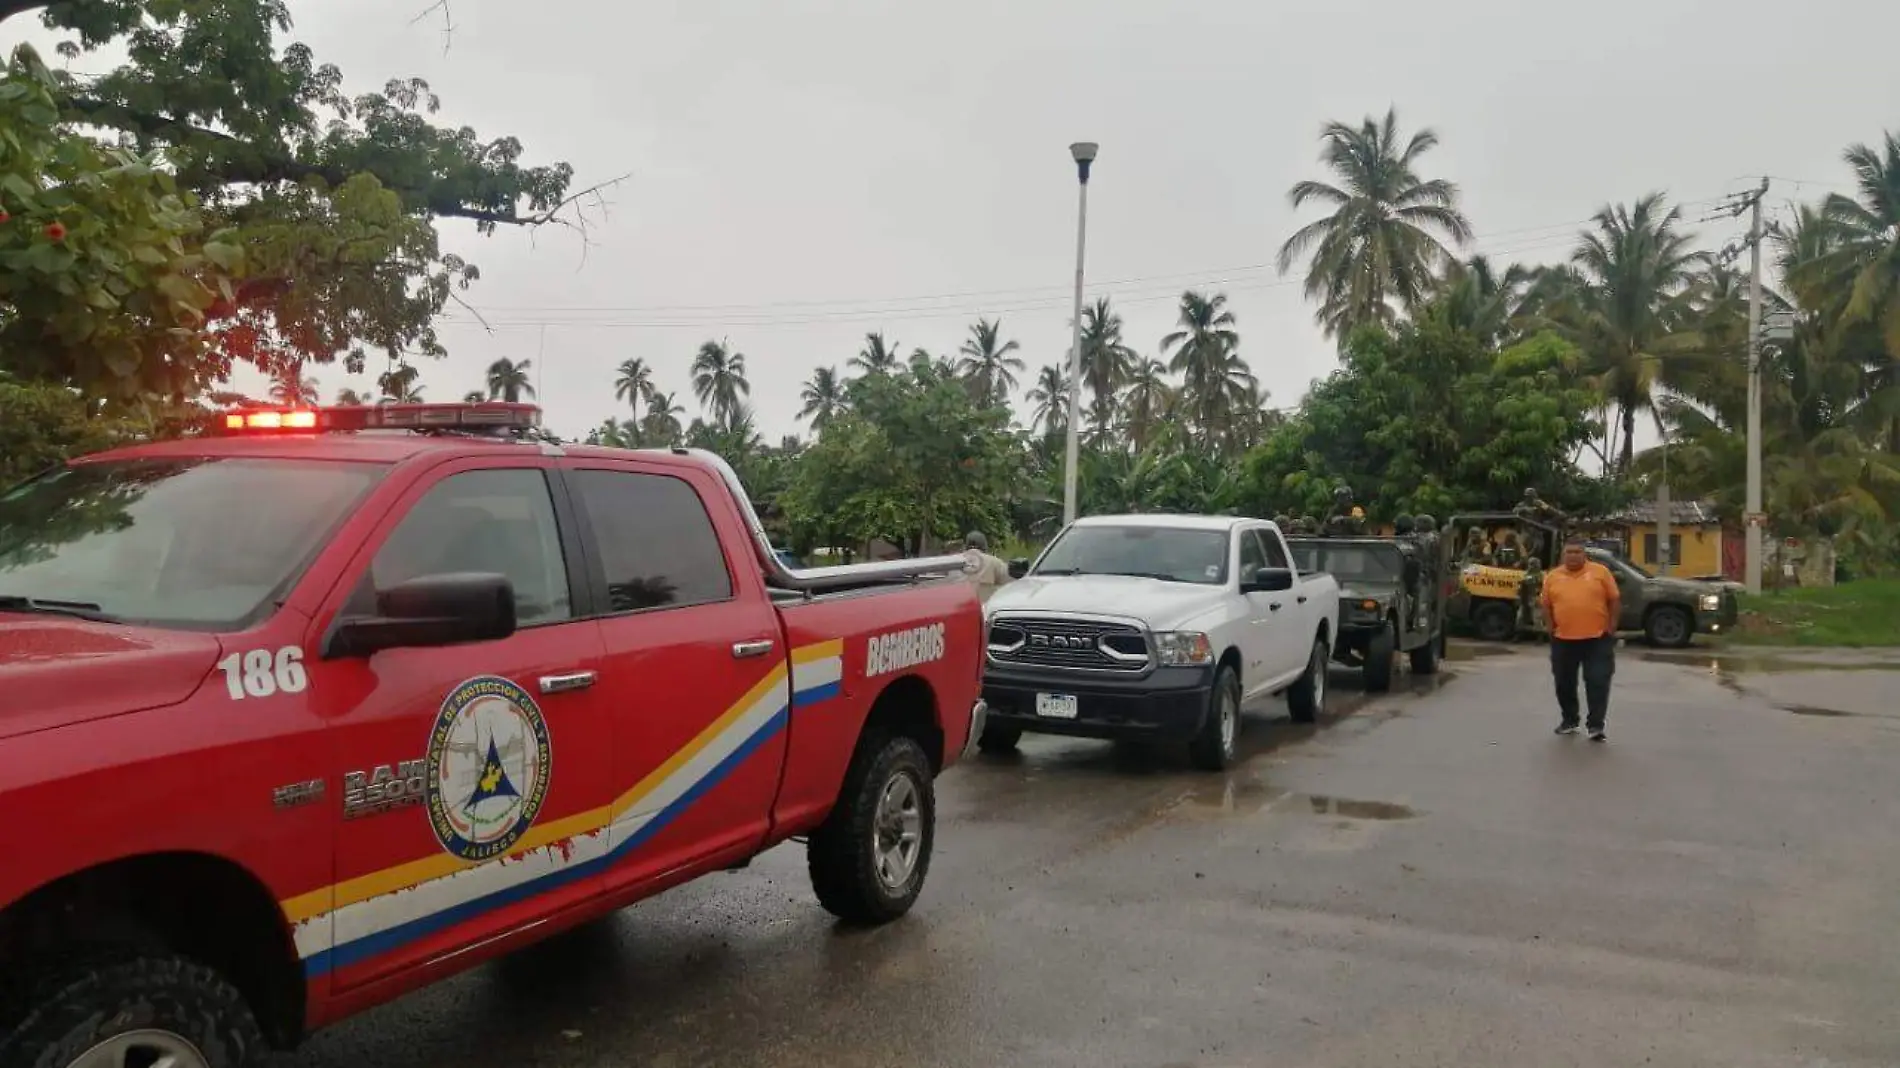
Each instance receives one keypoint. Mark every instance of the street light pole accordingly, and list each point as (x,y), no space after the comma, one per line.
(1083,152)
(1752,522)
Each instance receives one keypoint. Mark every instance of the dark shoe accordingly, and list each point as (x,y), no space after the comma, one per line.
(1566,728)
(1597,735)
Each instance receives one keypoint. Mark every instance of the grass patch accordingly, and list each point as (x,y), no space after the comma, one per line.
(1860,614)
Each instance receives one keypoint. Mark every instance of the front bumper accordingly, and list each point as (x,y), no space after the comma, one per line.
(1167,704)
(979,718)
(1717,620)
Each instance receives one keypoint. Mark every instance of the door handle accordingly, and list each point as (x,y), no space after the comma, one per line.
(1274,607)
(748,650)
(567,682)
(1302,598)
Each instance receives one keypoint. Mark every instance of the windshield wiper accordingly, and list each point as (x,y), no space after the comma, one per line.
(79,609)
(1148,575)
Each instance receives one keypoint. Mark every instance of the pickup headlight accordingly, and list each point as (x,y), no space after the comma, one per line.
(1711,602)
(1183,648)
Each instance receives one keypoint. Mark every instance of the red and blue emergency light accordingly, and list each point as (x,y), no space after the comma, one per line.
(483,416)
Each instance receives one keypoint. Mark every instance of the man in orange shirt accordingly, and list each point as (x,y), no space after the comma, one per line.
(1581,604)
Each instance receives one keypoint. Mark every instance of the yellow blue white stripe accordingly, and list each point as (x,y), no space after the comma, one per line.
(356,920)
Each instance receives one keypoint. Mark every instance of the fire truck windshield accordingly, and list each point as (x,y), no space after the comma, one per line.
(192,543)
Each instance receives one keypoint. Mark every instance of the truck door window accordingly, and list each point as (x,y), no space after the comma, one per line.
(499,521)
(656,543)
(1276,549)
(1252,556)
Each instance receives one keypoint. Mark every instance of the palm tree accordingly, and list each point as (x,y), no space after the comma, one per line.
(633,383)
(1869,240)
(1147,401)
(1050,397)
(1633,293)
(1382,241)
(987,364)
(292,388)
(1106,362)
(401,384)
(824,397)
(508,380)
(661,425)
(348,397)
(1473,298)
(719,379)
(1204,356)
(877,357)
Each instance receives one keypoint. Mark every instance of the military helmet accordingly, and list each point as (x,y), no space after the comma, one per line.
(1425,523)
(1282,520)
(1530,493)
(1403,524)
(1308,523)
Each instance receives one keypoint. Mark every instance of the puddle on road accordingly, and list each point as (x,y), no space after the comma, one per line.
(1476,650)
(1359,810)
(1812,710)
(1243,796)
(1738,663)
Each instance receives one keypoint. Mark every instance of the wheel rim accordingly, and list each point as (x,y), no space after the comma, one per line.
(897,834)
(142,1049)
(1319,676)
(1668,627)
(1229,721)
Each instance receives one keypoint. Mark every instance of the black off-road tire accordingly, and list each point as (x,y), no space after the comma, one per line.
(1306,699)
(71,1010)
(842,855)
(998,738)
(1382,659)
(1495,621)
(1669,626)
(1215,748)
(1425,657)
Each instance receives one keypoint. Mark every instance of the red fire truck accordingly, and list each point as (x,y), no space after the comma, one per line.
(306,713)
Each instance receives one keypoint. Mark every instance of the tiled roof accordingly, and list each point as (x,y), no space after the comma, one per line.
(1681,513)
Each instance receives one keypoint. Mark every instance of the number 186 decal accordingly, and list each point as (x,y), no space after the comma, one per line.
(262,673)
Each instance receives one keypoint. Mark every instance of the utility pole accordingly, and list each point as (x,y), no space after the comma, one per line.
(1751,529)
(1752,518)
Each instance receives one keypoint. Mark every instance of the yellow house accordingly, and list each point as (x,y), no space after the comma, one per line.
(1695,537)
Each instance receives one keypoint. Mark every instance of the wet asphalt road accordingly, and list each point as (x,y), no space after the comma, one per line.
(1431,878)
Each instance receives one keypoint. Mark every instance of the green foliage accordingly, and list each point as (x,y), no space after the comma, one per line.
(106,274)
(1864,614)
(913,456)
(249,210)
(41,425)
(1428,420)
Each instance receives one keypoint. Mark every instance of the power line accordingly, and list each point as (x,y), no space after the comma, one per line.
(931,306)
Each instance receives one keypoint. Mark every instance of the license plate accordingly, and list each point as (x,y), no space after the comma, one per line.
(1056,705)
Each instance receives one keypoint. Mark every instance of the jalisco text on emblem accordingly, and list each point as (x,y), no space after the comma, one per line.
(489,763)
(886,653)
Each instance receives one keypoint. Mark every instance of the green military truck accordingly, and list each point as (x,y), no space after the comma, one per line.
(1391,600)
(1667,611)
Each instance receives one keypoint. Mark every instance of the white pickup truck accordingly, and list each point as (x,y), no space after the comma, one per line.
(1156,627)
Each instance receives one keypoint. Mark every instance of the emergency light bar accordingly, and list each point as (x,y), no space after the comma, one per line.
(485,415)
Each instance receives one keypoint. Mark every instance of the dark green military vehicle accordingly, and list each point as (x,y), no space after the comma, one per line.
(1391,600)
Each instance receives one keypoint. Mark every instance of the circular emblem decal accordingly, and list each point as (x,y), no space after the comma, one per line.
(489,760)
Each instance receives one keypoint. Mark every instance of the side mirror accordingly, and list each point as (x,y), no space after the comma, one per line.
(1268,580)
(431,610)
(1019,567)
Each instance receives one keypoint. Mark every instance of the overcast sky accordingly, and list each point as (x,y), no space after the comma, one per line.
(804,172)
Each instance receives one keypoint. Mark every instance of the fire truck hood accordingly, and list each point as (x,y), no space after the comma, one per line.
(56,671)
